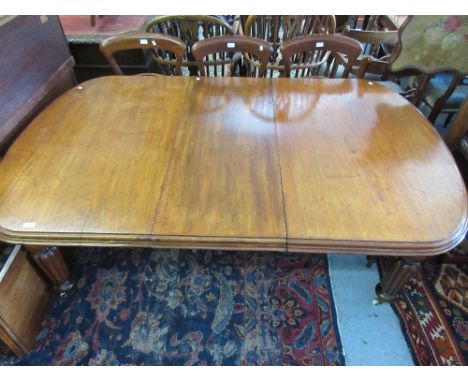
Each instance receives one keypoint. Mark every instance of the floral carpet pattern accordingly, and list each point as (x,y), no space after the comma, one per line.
(182,307)
(433,311)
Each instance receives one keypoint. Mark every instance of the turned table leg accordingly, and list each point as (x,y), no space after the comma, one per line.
(50,260)
(395,278)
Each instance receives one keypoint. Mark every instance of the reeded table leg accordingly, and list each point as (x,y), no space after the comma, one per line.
(395,278)
(52,263)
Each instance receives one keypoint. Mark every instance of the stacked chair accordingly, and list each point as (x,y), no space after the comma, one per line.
(248,46)
(217,56)
(190,29)
(277,30)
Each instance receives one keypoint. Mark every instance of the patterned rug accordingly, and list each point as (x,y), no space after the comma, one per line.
(433,312)
(181,307)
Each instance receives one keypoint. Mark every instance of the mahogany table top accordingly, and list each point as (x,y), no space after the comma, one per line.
(303,165)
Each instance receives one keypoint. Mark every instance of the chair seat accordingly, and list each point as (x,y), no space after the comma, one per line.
(371,77)
(392,86)
(375,77)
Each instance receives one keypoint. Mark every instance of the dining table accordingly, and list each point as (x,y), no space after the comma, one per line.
(291,165)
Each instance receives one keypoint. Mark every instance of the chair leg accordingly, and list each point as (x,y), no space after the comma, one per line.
(443,99)
(435,111)
(459,127)
(448,119)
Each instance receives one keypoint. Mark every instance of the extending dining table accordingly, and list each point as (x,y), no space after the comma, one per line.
(283,164)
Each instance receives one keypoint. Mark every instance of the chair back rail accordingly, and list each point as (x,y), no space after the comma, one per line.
(372,22)
(160,45)
(221,51)
(375,43)
(320,55)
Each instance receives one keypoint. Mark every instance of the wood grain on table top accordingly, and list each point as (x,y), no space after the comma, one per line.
(377,168)
(242,163)
(224,179)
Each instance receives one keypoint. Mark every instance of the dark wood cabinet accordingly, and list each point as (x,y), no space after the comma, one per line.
(35,67)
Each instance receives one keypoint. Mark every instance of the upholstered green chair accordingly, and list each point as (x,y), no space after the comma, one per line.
(435,44)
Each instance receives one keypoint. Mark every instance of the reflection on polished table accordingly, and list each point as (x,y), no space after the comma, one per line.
(294,165)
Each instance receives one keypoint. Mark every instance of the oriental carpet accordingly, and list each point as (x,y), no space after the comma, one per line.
(182,307)
(433,311)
